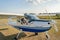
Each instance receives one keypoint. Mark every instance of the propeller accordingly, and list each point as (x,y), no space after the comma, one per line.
(53,22)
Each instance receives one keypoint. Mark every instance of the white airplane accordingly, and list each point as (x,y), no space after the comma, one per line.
(35,25)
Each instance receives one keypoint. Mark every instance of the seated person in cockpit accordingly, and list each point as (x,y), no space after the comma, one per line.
(24,21)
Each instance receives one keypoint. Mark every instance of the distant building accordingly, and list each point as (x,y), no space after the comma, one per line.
(47,14)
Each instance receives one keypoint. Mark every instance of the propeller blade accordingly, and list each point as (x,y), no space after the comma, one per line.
(55,27)
(54,24)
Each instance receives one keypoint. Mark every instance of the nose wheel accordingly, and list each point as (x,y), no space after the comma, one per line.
(47,36)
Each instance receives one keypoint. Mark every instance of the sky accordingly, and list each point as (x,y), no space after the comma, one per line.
(29,6)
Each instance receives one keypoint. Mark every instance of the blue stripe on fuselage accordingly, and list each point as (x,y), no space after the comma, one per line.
(33,29)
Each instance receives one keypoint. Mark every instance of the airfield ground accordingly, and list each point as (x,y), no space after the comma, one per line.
(8,33)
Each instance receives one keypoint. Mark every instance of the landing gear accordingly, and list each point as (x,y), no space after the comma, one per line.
(47,36)
(16,38)
(36,33)
(20,35)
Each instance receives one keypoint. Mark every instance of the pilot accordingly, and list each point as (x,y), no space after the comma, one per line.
(24,21)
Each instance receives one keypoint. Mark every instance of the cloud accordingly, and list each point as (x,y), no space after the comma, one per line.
(50,9)
(32,2)
(58,0)
(36,2)
(54,8)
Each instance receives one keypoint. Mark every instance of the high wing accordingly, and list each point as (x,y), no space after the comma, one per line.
(16,14)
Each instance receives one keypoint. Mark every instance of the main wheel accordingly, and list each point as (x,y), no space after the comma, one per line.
(36,33)
(16,38)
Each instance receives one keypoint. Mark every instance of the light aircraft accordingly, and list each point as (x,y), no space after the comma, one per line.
(35,25)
